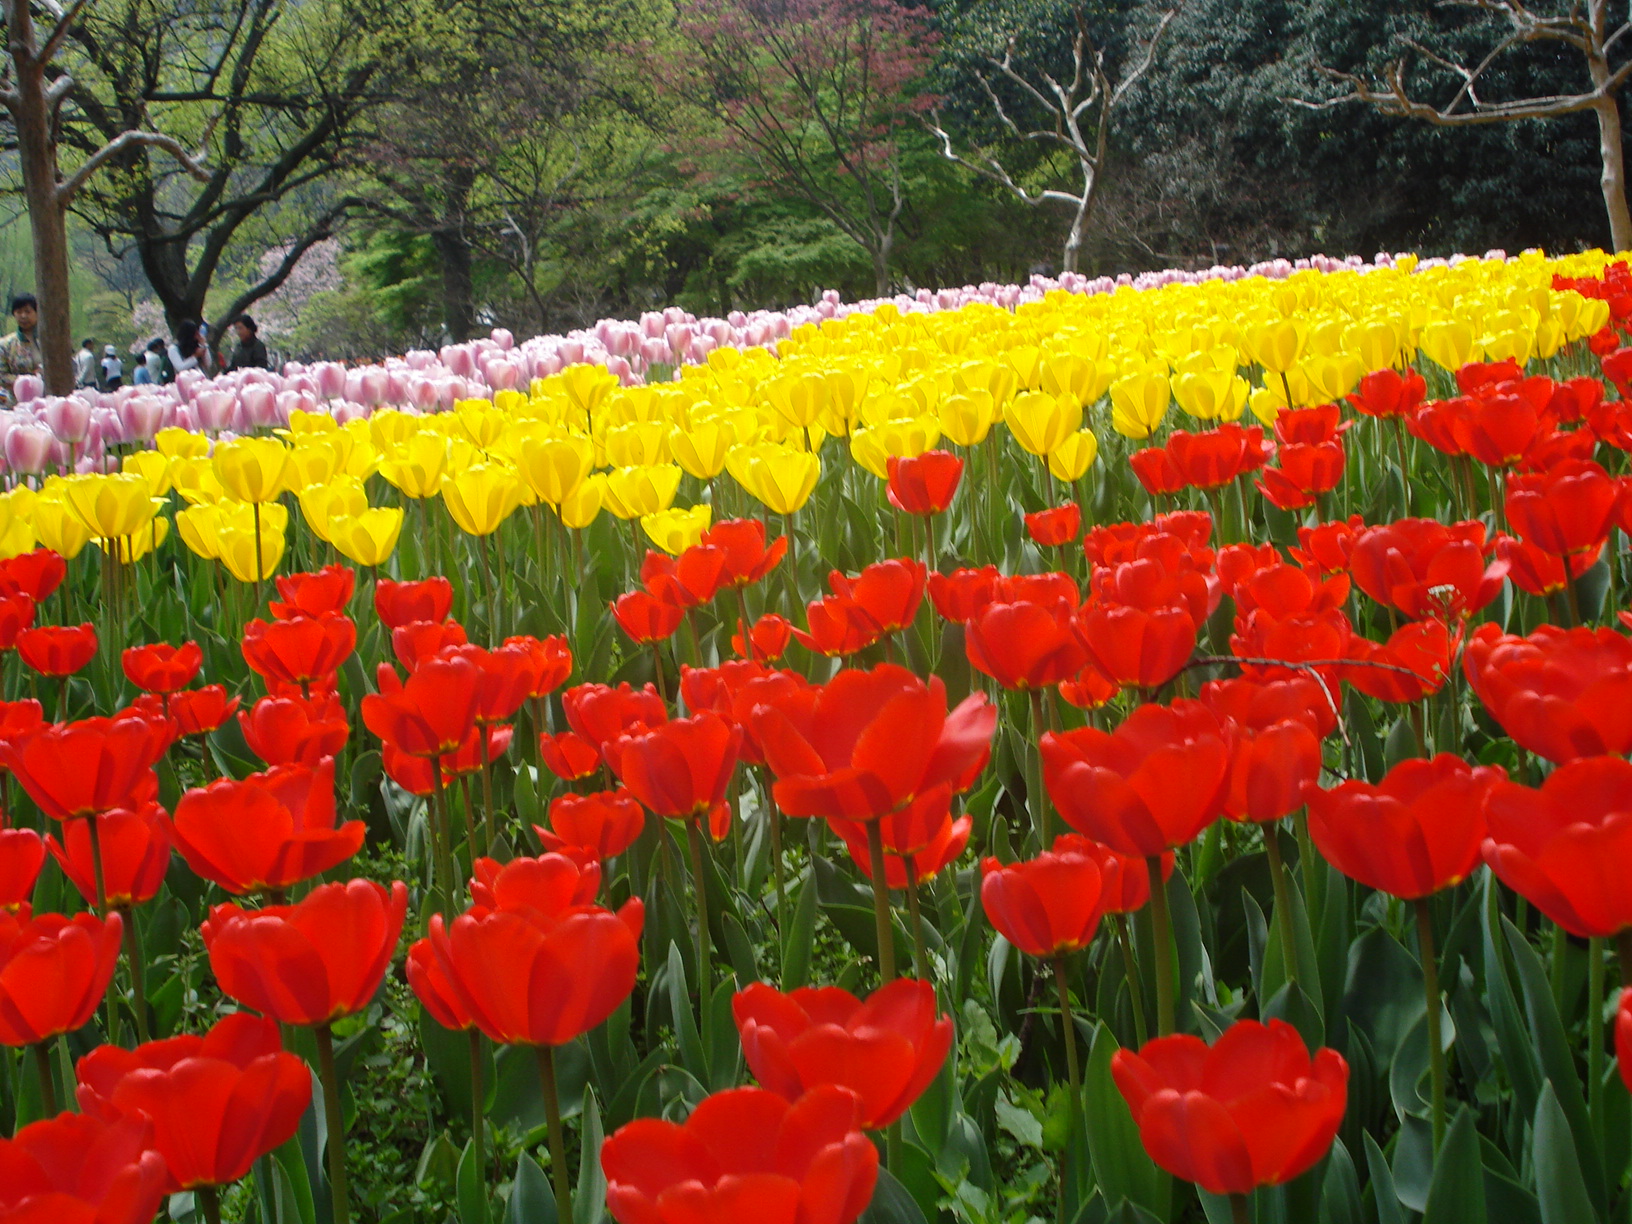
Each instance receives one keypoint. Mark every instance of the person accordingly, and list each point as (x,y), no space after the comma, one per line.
(153,361)
(186,351)
(113,370)
(250,351)
(20,351)
(85,364)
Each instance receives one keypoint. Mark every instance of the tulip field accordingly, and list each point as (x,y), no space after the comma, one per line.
(1084,752)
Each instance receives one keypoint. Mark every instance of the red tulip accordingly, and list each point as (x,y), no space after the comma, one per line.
(1302,473)
(888,592)
(600,713)
(1415,661)
(838,627)
(923,485)
(1542,573)
(16,615)
(57,650)
(768,638)
(1560,693)
(527,978)
(201,711)
(433,989)
(745,1156)
(960,595)
(1567,846)
(93,765)
(1239,564)
(1424,568)
(417,641)
(22,854)
(266,832)
(1151,785)
(1327,548)
(1024,645)
(508,674)
(18,720)
(76,1169)
(1115,543)
(1215,458)
(1052,528)
(607,822)
(870,742)
(430,714)
(1156,471)
(1164,575)
(734,688)
(687,581)
(931,852)
(309,963)
(1565,510)
(161,668)
(1277,729)
(550,886)
(418,775)
(747,557)
(302,652)
(1050,905)
(1500,422)
(134,850)
(550,662)
(646,619)
(217,1101)
(1137,647)
(1252,1110)
(568,756)
(1623,1037)
(886,1050)
(295,730)
(1389,393)
(1124,879)
(401,603)
(36,574)
(1310,426)
(53,973)
(682,768)
(1416,832)
(1089,689)
(321,593)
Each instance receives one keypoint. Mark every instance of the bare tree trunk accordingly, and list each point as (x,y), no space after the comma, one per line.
(453,253)
(1072,255)
(1613,177)
(881,266)
(37,155)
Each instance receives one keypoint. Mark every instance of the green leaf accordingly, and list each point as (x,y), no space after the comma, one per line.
(1122,1170)
(472,1188)
(531,1199)
(1022,1123)
(1340,1189)
(892,1204)
(589,1200)
(1457,1193)
(692,1056)
(800,938)
(1384,1195)
(1558,1173)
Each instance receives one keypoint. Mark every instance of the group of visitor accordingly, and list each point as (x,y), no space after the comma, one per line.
(159,362)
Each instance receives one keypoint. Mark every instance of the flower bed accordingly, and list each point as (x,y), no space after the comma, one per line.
(1094,751)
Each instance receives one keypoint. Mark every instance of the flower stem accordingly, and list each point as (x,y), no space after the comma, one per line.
(1041,815)
(1430,985)
(1240,1209)
(48,1083)
(558,1139)
(915,914)
(138,975)
(336,1122)
(1162,924)
(1072,1068)
(477,1100)
(1136,992)
(694,838)
(210,1201)
(881,903)
(1595,1035)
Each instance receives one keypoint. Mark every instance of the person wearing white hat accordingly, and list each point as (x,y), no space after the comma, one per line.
(113,370)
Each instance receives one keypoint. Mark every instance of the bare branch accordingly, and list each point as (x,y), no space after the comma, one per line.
(121,144)
(64,22)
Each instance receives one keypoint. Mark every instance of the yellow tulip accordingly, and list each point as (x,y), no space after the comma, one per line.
(417,467)
(200,529)
(342,497)
(240,547)
(481,497)
(553,468)
(1211,395)
(304,424)
(637,444)
(194,479)
(391,428)
(1277,346)
(58,527)
(480,422)
(368,538)
(1073,456)
(587,387)
(1334,377)
(316,460)
(1077,376)
(968,417)
(701,450)
(17,539)
(1376,342)
(1448,343)
(579,508)
(1139,402)
(178,443)
(112,506)
(1040,422)
(780,478)
(17,521)
(154,467)
(253,469)
(675,530)
(634,492)
(799,399)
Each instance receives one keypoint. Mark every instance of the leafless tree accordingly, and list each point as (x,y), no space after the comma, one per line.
(1583,25)
(1073,117)
(33,91)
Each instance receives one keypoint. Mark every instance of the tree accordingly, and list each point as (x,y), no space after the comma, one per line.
(1067,115)
(1580,25)
(271,89)
(809,98)
(34,90)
